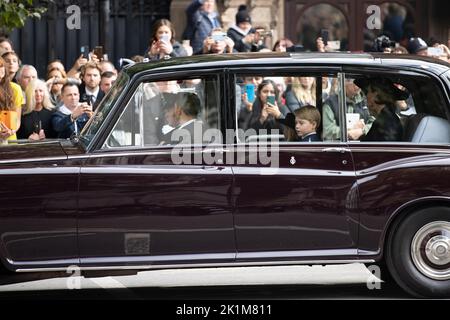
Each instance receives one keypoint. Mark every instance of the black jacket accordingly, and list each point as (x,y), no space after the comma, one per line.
(237,36)
(84,97)
(386,127)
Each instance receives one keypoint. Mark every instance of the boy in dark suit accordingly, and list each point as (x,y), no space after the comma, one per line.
(307,119)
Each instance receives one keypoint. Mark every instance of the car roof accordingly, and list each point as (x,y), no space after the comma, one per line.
(240,60)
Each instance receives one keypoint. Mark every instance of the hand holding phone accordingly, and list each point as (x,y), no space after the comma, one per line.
(98,51)
(250,91)
(165,38)
(84,50)
(324,34)
(271,100)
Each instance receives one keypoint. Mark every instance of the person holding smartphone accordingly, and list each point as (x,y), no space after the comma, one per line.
(72,116)
(162,43)
(267,108)
(218,43)
(243,34)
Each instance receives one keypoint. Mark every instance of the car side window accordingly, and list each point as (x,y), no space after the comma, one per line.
(168,112)
(295,107)
(408,109)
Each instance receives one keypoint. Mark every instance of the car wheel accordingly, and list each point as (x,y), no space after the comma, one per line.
(418,253)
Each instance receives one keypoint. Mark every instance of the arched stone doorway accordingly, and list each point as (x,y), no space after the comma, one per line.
(319,17)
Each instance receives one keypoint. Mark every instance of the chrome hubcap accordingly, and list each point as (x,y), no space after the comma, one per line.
(430,250)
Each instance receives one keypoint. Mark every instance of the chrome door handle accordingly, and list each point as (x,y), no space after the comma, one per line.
(336,150)
(212,168)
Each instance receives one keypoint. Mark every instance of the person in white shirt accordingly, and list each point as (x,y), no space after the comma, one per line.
(90,88)
(189,128)
(72,116)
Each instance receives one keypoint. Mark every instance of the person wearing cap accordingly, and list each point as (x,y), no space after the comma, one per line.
(418,47)
(243,34)
(382,95)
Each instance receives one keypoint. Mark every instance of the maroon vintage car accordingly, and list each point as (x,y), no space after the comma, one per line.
(249,189)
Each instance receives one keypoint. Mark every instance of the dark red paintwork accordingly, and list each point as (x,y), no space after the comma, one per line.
(69,203)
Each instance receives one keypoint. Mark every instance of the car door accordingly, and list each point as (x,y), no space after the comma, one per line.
(141,206)
(38,226)
(293,200)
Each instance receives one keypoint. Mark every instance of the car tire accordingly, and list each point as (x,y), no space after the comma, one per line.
(418,253)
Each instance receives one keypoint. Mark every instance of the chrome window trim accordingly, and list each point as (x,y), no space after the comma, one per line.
(204,265)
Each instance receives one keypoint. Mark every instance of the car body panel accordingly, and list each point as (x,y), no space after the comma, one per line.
(39,206)
(393,178)
(139,206)
(306,204)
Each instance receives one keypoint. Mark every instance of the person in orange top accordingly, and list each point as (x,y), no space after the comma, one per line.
(11,99)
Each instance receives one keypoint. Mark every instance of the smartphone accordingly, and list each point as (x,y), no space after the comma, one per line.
(98,51)
(334,45)
(165,38)
(324,34)
(271,100)
(250,91)
(435,52)
(37,127)
(84,50)
(218,37)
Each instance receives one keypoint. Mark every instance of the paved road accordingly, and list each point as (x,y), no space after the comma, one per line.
(292,282)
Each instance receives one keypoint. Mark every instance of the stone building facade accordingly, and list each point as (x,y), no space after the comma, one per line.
(347,20)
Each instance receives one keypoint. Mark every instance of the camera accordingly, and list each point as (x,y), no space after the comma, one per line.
(264,33)
(383,42)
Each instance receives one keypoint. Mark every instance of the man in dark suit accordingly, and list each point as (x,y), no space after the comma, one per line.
(189,128)
(90,91)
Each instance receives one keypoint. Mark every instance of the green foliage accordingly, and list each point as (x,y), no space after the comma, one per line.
(14,13)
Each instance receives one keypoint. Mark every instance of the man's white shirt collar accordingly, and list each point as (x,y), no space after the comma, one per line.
(65,110)
(186,123)
(93,93)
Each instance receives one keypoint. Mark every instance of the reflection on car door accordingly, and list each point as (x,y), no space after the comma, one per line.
(140,208)
(303,208)
(39,207)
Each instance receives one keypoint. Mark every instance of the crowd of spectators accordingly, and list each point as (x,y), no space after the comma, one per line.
(59,104)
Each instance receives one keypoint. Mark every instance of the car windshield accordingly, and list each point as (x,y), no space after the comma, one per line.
(447,74)
(103,110)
